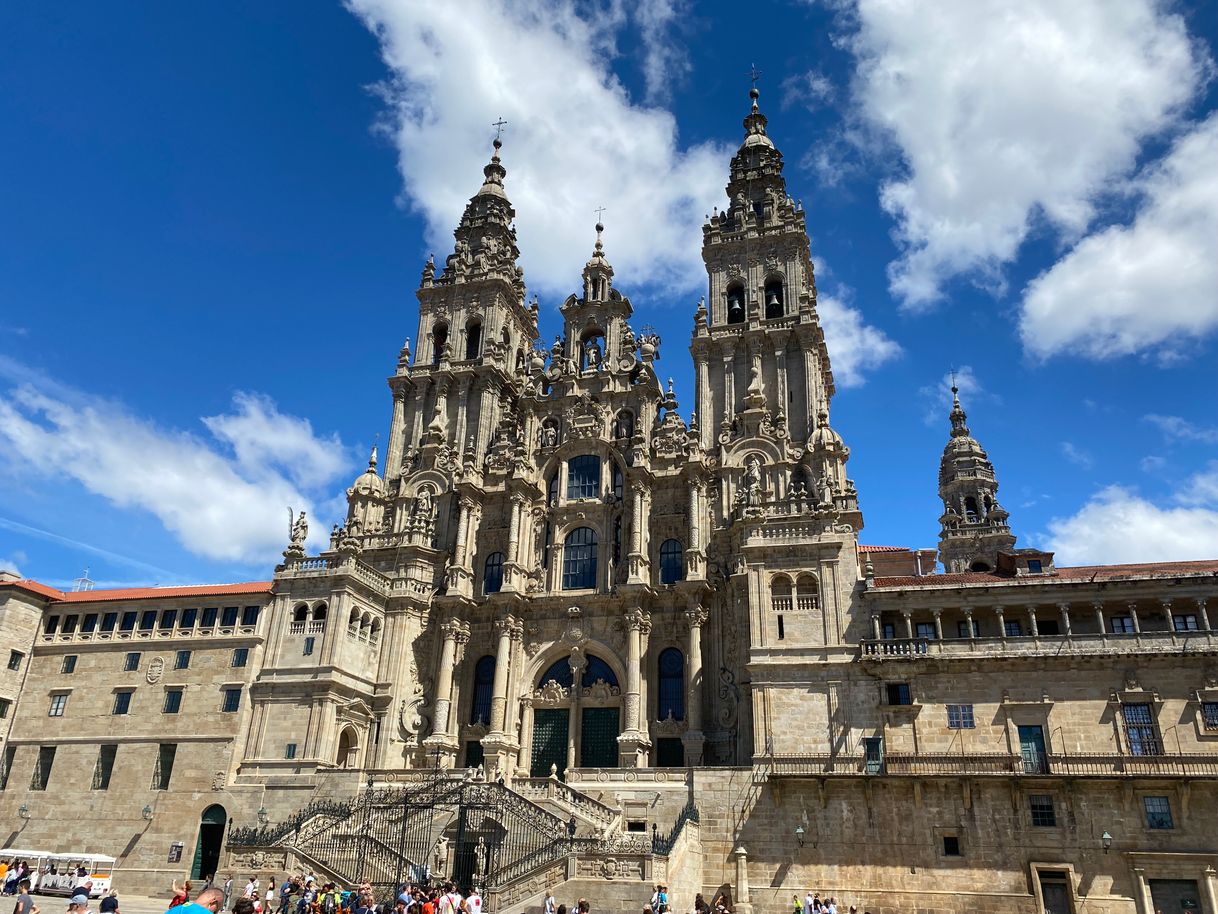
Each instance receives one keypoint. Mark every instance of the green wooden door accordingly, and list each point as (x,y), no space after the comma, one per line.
(598,738)
(550,731)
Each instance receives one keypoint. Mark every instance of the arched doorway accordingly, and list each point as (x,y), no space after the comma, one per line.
(210,843)
(348,749)
(575,723)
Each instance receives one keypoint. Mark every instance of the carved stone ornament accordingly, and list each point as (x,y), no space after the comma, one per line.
(156,669)
(550,693)
(734,270)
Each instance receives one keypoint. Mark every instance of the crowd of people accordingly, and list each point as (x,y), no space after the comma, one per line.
(305,894)
(812,903)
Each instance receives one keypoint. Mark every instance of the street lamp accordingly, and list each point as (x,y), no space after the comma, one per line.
(799,834)
(147,813)
(263,815)
(23,811)
(1106,841)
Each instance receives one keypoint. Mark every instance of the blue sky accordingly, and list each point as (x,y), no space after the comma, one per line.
(214,218)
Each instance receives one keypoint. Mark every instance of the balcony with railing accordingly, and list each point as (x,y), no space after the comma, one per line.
(1030,764)
(1151,642)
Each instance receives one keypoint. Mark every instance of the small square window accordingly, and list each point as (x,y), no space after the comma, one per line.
(249,615)
(52,625)
(925,630)
(209,617)
(1184,622)
(181,660)
(69,624)
(229,618)
(1121,625)
(5,704)
(951,846)
(1013,628)
(169,618)
(289,751)
(122,702)
(173,701)
(69,664)
(232,701)
(898,693)
(1158,813)
(109,622)
(1209,715)
(1034,566)
(128,622)
(888,631)
(241,656)
(1043,813)
(89,624)
(14,660)
(148,620)
(189,617)
(960,717)
(132,662)
(309,644)
(58,704)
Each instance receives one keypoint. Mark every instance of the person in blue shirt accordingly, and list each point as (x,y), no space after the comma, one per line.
(208,901)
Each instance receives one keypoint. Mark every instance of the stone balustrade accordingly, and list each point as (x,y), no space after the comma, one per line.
(992,765)
(1042,645)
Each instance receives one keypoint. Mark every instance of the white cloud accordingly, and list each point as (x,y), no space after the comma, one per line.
(1143,287)
(574,141)
(811,89)
(937,397)
(1176,428)
(13,563)
(1117,525)
(854,346)
(1077,455)
(664,59)
(1008,113)
(221,505)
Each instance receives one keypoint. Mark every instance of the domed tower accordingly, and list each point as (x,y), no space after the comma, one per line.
(973,526)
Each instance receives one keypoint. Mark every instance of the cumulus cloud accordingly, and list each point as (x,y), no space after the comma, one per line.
(855,347)
(1006,114)
(575,140)
(1142,287)
(1118,525)
(223,498)
(665,61)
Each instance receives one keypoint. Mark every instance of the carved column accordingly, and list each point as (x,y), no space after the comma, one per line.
(938,623)
(1098,607)
(523,757)
(1205,619)
(463,395)
(1166,604)
(1064,609)
(875,626)
(512,572)
(1133,617)
(744,903)
(499,745)
(810,399)
(578,662)
(908,614)
(780,360)
(633,742)
(694,558)
(439,738)
(706,417)
(416,420)
(696,616)
(729,382)
(637,559)
(1002,623)
(969,623)
(397,431)
(1035,632)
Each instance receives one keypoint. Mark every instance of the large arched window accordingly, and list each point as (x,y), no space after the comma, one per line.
(780,593)
(807,593)
(473,339)
(970,509)
(584,476)
(671,697)
(735,304)
(774,302)
(439,337)
(484,688)
(672,563)
(559,672)
(492,573)
(579,559)
(597,670)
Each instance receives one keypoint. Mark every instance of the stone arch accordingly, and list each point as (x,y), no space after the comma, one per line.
(347,755)
(737,307)
(807,591)
(781,590)
(300,613)
(319,612)
(774,296)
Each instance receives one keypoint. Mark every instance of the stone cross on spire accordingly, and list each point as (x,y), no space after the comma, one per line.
(499,125)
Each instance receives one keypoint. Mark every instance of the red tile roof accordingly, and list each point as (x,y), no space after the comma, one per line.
(140,593)
(885,549)
(1077,574)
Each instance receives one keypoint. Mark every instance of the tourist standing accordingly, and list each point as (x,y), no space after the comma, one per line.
(109,904)
(25,904)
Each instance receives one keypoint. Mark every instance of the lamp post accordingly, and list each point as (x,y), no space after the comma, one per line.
(263,815)
(1106,841)
(23,811)
(799,835)
(146,812)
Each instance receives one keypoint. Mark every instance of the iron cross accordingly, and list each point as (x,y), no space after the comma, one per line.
(499,125)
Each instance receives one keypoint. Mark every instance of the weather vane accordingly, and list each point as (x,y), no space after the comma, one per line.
(499,125)
(754,74)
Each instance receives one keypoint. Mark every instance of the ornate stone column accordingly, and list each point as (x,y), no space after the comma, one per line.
(1209,887)
(744,904)
(511,567)
(499,745)
(633,742)
(1205,619)
(637,559)
(696,616)
(460,573)
(393,448)
(440,741)
(578,662)
(875,627)
(523,759)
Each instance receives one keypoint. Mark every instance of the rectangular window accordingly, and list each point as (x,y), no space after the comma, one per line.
(189,617)
(169,618)
(229,619)
(308,645)
(181,660)
(249,615)
(122,702)
(58,704)
(10,753)
(960,717)
(925,630)
(148,620)
(782,632)
(888,631)
(128,623)
(1048,627)
(962,628)
(89,624)
(898,693)
(42,770)
(1043,813)
(241,656)
(1013,628)
(52,625)
(1158,813)
(1141,730)
(173,701)
(69,664)
(1209,715)
(14,660)
(1184,622)
(5,704)
(289,751)
(1121,625)
(1034,566)
(131,662)
(584,476)
(209,617)
(105,765)
(69,624)
(951,846)
(232,701)
(163,771)
(109,622)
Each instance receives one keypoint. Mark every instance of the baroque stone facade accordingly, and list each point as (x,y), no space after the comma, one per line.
(555,575)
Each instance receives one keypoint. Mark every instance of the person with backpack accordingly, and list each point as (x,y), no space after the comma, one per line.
(330,901)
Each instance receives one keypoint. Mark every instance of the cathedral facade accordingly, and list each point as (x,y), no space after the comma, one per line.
(556,583)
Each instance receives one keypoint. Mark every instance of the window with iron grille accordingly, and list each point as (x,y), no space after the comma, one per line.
(960,717)
(69,664)
(173,701)
(584,476)
(131,662)
(241,656)
(163,771)
(232,701)
(105,765)
(1209,715)
(122,702)
(898,693)
(42,768)
(579,559)
(58,704)
(181,660)
(1158,812)
(1043,813)
(672,562)
(1141,730)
